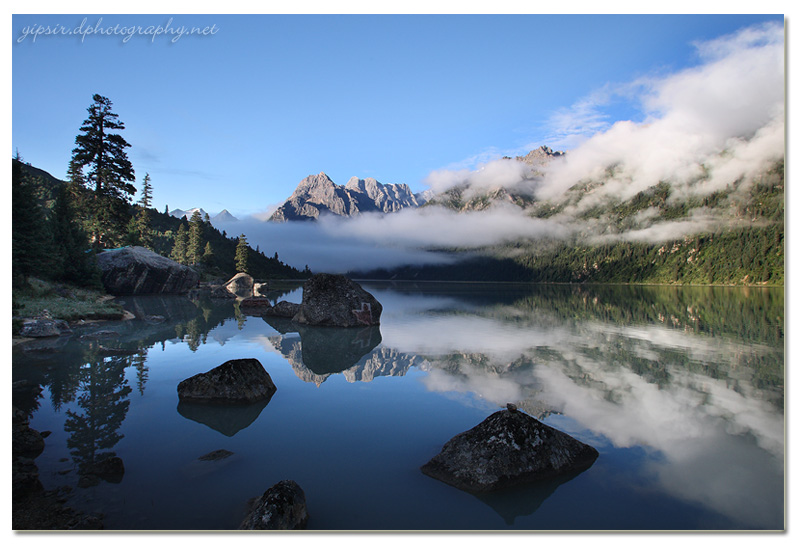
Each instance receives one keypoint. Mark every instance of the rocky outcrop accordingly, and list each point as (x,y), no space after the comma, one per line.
(283,309)
(281,507)
(541,156)
(255,305)
(25,442)
(138,271)
(318,195)
(333,300)
(109,468)
(44,327)
(241,285)
(508,448)
(240,381)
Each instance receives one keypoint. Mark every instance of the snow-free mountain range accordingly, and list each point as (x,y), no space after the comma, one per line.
(318,195)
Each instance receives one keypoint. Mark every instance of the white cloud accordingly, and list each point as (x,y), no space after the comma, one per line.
(733,103)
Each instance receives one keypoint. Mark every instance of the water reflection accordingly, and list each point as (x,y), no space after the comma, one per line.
(94,430)
(225,419)
(324,350)
(523,501)
(697,381)
(694,377)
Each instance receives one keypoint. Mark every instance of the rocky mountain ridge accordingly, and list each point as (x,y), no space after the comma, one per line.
(317,195)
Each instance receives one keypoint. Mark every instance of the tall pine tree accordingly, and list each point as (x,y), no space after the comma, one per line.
(147,192)
(194,249)
(100,149)
(179,248)
(241,254)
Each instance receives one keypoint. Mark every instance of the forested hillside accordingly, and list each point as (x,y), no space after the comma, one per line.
(49,241)
(742,245)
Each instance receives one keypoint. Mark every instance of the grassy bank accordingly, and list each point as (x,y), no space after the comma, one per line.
(61,302)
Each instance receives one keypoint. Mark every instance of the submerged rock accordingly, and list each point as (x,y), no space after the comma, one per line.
(281,507)
(215,455)
(239,381)
(333,300)
(508,448)
(109,468)
(138,271)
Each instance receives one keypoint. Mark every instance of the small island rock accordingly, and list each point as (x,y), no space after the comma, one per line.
(508,448)
(333,300)
(240,381)
(281,507)
(241,285)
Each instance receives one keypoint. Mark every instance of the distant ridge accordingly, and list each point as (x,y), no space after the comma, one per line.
(318,195)
(221,217)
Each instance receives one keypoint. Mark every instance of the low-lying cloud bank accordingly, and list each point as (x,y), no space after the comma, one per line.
(704,128)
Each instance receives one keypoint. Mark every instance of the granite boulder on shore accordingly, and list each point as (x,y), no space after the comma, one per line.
(136,270)
(507,449)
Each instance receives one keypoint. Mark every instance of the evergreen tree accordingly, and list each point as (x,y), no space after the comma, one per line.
(147,192)
(143,230)
(241,254)
(31,241)
(193,249)
(181,242)
(208,254)
(75,261)
(109,175)
(166,209)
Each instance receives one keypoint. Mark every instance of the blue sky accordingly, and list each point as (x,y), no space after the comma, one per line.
(236,119)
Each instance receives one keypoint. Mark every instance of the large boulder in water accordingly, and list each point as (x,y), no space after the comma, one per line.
(138,271)
(240,381)
(508,448)
(281,507)
(333,300)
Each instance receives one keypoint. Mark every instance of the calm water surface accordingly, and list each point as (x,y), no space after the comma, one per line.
(681,390)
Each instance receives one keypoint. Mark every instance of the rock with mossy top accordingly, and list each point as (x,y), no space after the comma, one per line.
(509,448)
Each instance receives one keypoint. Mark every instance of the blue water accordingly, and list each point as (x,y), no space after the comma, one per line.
(679,389)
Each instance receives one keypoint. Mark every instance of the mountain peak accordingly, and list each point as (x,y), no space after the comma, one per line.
(316,195)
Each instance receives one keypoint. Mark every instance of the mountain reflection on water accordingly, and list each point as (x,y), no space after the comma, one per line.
(691,377)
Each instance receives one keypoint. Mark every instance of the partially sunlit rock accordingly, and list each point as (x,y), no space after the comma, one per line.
(508,448)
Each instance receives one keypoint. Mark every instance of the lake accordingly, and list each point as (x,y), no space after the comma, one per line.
(680,389)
